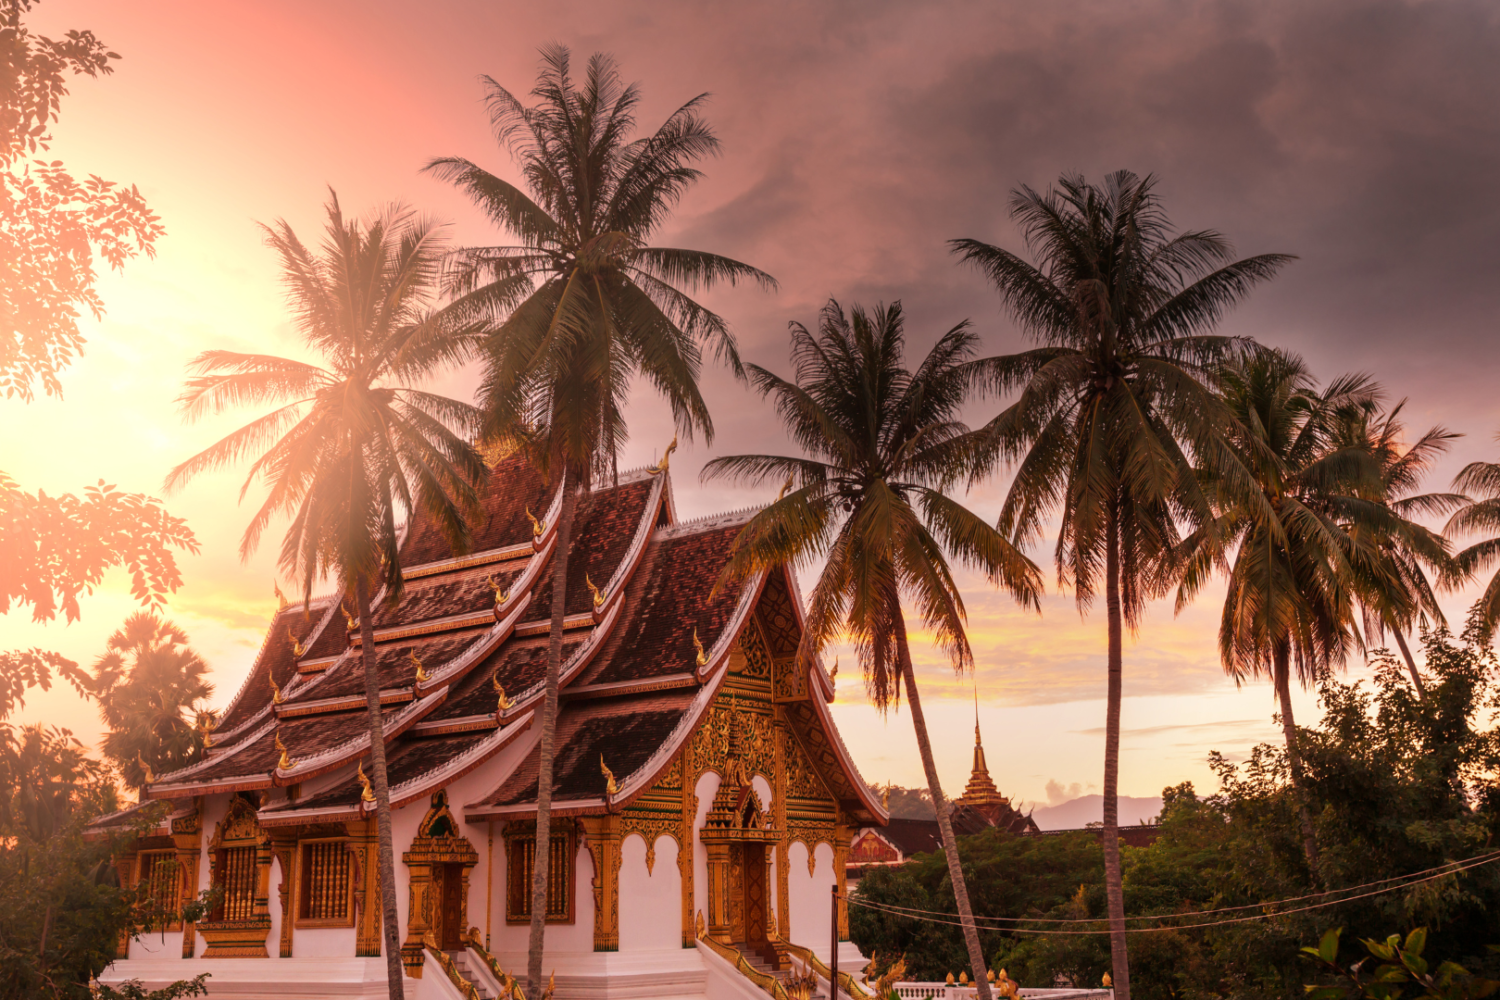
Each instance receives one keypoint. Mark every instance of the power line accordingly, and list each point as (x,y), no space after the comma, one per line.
(947,918)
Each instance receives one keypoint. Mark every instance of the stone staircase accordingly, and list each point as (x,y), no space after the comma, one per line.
(461,961)
(761,961)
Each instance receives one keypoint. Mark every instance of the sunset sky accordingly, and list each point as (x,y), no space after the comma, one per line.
(858,137)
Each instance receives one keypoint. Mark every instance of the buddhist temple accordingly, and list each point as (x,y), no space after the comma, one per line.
(703,801)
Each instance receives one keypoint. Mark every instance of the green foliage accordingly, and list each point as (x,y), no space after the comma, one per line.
(132,989)
(1396,784)
(1402,972)
(906,803)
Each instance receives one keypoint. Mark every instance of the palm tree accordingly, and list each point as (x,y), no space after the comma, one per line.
(582,305)
(149,684)
(1399,597)
(1112,405)
(1307,534)
(350,445)
(1475,516)
(885,446)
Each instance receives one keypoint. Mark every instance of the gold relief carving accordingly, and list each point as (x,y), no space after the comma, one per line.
(285,850)
(783,888)
(802,780)
(240,862)
(689,815)
(812,859)
(757,662)
(436,846)
(603,842)
(778,619)
(187,837)
(841,872)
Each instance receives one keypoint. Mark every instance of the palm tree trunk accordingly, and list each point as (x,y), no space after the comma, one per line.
(1282,666)
(940,805)
(386,855)
(1114,891)
(1411,664)
(534,984)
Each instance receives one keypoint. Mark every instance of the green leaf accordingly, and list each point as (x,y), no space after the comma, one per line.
(1328,945)
(1416,941)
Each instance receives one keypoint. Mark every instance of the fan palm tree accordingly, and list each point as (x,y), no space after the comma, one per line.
(351,445)
(1480,515)
(1400,597)
(149,684)
(583,304)
(1113,405)
(1308,536)
(884,446)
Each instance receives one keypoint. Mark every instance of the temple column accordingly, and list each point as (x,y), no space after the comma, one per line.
(686,840)
(187,837)
(284,847)
(841,872)
(783,845)
(718,891)
(367,890)
(603,838)
(419,910)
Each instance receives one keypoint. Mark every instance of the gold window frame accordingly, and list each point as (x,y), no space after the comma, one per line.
(303,882)
(517,869)
(173,893)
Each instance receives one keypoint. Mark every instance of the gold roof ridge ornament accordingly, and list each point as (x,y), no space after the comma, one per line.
(784,487)
(598,594)
(422,677)
(702,657)
(502,703)
(610,788)
(367,794)
(281,601)
(207,723)
(501,596)
(537,527)
(285,763)
(297,649)
(833,674)
(349,620)
(666,458)
(146,776)
(276,696)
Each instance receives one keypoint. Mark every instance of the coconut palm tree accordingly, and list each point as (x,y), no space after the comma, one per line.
(884,447)
(1480,515)
(150,685)
(1400,597)
(1307,536)
(582,304)
(351,445)
(1113,406)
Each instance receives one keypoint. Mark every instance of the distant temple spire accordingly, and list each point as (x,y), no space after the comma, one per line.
(981,792)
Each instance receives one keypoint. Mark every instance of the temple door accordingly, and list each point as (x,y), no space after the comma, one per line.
(452,908)
(757,894)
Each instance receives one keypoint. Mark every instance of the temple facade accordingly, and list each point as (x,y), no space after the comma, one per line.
(703,803)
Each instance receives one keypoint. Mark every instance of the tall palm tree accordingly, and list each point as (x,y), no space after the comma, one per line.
(582,304)
(885,447)
(1307,536)
(149,684)
(351,445)
(1481,480)
(1400,597)
(1113,404)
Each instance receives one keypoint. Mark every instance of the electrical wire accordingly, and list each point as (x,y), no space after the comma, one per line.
(1475,863)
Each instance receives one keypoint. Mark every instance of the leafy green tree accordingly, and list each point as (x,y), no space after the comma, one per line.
(51,225)
(149,684)
(583,304)
(351,445)
(1113,407)
(1479,515)
(1306,532)
(884,447)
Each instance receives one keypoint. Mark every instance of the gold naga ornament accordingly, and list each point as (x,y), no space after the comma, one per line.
(366,794)
(666,458)
(422,677)
(610,788)
(285,762)
(833,674)
(598,594)
(501,596)
(147,776)
(784,487)
(702,657)
(276,696)
(281,601)
(349,619)
(207,723)
(885,797)
(537,527)
(297,649)
(503,703)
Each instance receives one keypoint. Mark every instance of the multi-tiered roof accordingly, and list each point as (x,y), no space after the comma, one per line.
(646,638)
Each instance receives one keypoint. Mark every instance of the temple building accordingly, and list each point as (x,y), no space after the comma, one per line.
(703,802)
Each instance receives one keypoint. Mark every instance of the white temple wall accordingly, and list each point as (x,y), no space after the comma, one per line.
(650,902)
(319,942)
(706,789)
(157,945)
(810,896)
(511,939)
(273,887)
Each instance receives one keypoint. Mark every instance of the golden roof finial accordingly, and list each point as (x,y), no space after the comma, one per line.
(207,723)
(502,703)
(349,619)
(700,926)
(784,487)
(367,794)
(146,776)
(702,657)
(285,763)
(537,527)
(833,674)
(281,601)
(598,594)
(666,458)
(501,596)
(885,797)
(610,788)
(422,677)
(276,696)
(297,649)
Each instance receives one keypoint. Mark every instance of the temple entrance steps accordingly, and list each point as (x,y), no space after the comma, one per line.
(461,960)
(763,958)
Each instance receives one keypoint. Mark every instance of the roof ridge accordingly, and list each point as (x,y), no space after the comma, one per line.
(722,519)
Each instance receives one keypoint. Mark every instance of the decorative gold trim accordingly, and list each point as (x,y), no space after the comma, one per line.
(701,657)
(276,696)
(666,458)
(537,527)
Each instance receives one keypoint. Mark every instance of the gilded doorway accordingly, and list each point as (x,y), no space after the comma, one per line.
(438,867)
